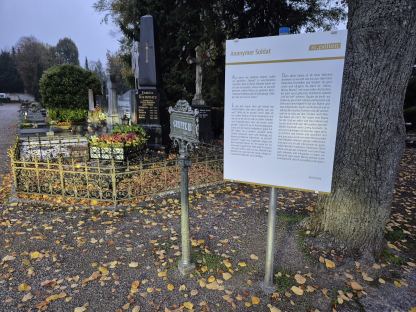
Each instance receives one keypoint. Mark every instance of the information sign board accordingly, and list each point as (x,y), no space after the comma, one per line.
(282,97)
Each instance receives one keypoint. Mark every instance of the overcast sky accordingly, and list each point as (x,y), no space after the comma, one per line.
(51,20)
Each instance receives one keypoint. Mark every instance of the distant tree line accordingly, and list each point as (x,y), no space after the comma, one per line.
(182,25)
(22,67)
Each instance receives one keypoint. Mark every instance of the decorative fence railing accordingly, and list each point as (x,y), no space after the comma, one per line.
(83,178)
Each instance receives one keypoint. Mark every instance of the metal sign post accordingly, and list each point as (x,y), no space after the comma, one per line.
(184,131)
(267,285)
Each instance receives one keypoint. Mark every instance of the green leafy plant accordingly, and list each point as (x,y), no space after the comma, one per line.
(96,116)
(66,86)
(67,115)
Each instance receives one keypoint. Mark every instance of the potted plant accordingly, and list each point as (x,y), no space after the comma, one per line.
(120,144)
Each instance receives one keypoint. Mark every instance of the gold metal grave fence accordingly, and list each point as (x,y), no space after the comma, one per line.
(108,181)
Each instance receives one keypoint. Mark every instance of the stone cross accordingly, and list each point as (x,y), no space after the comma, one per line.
(199,62)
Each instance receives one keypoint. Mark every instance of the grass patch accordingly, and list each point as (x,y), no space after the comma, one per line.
(212,261)
(389,257)
(395,235)
(283,282)
(301,242)
(290,219)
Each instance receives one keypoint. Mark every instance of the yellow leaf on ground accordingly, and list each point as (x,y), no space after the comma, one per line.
(136,309)
(24,287)
(381,281)
(413,309)
(297,290)
(227,263)
(242,264)
(188,305)
(27,297)
(103,270)
(300,279)
(226,276)
(356,286)
(255,300)
(397,284)
(329,264)
(162,274)
(211,279)
(366,277)
(8,258)
(170,287)
(134,287)
(254,257)
(273,309)
(56,297)
(133,264)
(80,309)
(35,255)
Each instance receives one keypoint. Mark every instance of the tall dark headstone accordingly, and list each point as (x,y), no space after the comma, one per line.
(148,95)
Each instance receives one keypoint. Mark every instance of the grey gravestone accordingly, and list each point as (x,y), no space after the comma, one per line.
(112,117)
(91,104)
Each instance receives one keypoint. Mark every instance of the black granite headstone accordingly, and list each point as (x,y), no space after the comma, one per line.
(148,96)
(147,61)
(205,123)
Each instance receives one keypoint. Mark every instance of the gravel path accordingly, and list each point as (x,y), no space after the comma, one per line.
(8,126)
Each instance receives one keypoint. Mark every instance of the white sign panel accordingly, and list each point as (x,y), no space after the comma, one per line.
(282,99)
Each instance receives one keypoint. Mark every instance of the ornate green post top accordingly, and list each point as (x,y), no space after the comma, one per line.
(184,126)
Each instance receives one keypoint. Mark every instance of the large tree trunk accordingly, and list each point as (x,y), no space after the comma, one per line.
(381,50)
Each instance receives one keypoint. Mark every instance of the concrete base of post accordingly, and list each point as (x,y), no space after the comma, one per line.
(186,268)
(267,288)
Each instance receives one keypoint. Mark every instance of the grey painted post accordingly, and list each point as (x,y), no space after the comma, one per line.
(133,107)
(185,265)
(267,284)
(91,105)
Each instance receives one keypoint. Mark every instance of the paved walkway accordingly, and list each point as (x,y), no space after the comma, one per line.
(8,126)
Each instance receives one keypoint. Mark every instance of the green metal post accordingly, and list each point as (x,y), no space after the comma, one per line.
(271,225)
(185,265)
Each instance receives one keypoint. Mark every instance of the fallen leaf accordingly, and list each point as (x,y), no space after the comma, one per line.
(254,257)
(297,290)
(329,264)
(35,255)
(134,287)
(300,279)
(170,287)
(56,297)
(24,287)
(133,264)
(136,309)
(242,264)
(226,276)
(162,274)
(8,258)
(273,308)
(104,271)
(188,305)
(356,286)
(255,300)
(27,297)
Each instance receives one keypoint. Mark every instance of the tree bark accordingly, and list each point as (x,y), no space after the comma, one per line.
(381,49)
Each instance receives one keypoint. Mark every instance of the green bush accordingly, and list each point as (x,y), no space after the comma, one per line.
(66,86)
(67,115)
(119,128)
